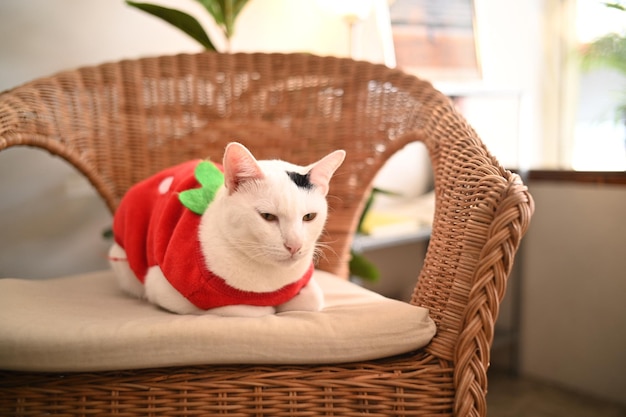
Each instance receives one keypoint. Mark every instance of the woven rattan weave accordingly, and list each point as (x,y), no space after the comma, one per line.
(119,122)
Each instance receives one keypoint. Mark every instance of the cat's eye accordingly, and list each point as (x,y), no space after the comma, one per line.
(269,217)
(309,217)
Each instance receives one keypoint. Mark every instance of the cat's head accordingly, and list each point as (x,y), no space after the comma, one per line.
(276,210)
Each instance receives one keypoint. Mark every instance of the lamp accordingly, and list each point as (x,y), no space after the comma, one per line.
(353,12)
(320,26)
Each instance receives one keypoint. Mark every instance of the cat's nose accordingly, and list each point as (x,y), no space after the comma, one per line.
(293,249)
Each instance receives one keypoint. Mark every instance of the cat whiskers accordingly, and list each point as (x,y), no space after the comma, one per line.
(251,249)
(254,251)
(320,251)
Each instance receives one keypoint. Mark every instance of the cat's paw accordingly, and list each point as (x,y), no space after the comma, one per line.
(310,298)
(126,278)
(242,311)
(159,291)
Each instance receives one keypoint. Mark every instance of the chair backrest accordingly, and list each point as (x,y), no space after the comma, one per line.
(120,122)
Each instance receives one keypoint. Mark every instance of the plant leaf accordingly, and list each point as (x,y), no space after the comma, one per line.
(368,205)
(229,18)
(617,6)
(178,19)
(361,267)
(232,10)
(224,12)
(238,6)
(606,51)
(215,9)
(107,233)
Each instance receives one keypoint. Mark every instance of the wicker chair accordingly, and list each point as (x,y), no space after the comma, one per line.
(119,122)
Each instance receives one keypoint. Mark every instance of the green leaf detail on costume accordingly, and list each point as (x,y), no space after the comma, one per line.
(211,179)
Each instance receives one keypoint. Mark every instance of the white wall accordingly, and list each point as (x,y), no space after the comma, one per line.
(50,223)
(509,35)
(573,288)
(40,37)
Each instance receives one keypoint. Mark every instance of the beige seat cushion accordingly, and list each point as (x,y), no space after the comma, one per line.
(85,323)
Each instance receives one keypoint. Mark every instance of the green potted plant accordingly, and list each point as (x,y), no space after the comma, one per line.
(224,12)
(609,51)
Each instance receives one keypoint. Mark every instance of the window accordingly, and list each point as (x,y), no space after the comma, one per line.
(599,132)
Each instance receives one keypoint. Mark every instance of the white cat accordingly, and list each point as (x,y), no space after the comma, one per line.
(192,239)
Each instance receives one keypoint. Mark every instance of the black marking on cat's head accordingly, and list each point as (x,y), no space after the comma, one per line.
(302,181)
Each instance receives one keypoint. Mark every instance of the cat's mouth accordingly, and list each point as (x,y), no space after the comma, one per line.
(291,258)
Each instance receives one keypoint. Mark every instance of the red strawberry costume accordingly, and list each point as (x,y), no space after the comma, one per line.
(157,224)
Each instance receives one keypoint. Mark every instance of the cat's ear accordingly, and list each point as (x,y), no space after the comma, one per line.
(239,166)
(322,171)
